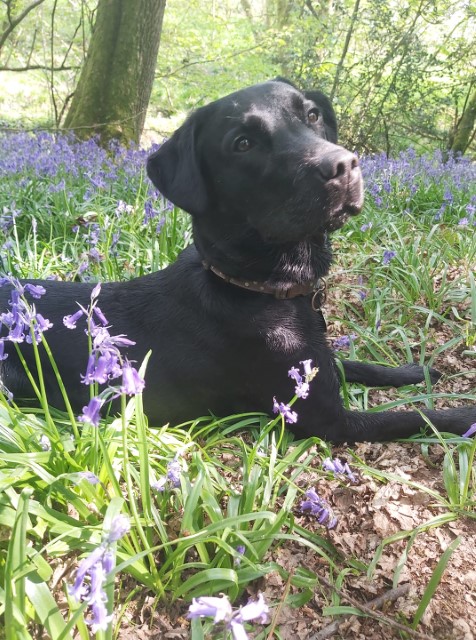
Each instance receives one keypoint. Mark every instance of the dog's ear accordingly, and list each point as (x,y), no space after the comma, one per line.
(175,169)
(327,111)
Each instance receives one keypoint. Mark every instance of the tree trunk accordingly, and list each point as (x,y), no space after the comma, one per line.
(115,83)
(461,135)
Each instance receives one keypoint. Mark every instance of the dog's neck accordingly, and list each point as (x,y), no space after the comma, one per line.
(296,266)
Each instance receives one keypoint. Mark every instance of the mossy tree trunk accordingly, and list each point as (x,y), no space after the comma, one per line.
(116,80)
(463,132)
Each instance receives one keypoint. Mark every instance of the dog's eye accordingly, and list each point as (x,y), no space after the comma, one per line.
(242,144)
(313,116)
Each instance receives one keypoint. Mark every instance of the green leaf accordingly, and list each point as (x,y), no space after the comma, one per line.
(434,581)
(44,605)
(207,582)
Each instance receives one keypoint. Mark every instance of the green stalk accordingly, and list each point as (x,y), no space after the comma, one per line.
(132,501)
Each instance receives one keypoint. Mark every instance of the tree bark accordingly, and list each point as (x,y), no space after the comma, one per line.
(115,83)
(462,133)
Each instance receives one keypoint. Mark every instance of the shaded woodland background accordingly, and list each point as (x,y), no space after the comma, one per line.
(399,73)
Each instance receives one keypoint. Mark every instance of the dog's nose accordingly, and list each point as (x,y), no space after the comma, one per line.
(337,164)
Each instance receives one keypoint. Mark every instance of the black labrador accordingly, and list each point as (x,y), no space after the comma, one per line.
(265,183)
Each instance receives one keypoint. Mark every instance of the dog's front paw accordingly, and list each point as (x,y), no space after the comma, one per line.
(435,375)
(414,374)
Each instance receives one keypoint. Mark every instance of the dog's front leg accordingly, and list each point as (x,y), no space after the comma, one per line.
(376,375)
(390,425)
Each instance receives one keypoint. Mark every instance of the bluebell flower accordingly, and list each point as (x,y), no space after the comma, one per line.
(285,410)
(92,412)
(122,208)
(23,322)
(36,290)
(387,256)
(318,507)
(105,362)
(240,549)
(89,476)
(366,226)
(132,383)
(171,480)
(343,342)
(301,389)
(221,611)
(120,525)
(464,222)
(45,443)
(92,573)
(470,432)
(71,320)
(160,225)
(339,468)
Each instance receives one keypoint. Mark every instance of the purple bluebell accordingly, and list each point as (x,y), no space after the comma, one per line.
(89,476)
(388,256)
(366,226)
(92,412)
(221,611)
(285,410)
(339,468)
(470,432)
(92,574)
(318,507)
(36,290)
(464,222)
(120,525)
(302,387)
(307,366)
(71,320)
(132,383)
(343,342)
(23,322)
(240,549)
(171,479)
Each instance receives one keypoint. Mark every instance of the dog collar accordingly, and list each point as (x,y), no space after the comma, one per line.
(317,289)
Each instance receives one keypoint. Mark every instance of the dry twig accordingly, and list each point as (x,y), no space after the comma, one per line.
(369,609)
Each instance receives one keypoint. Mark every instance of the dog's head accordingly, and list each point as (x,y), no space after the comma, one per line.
(264,157)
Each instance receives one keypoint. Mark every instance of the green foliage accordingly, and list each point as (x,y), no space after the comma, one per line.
(398,74)
(241,477)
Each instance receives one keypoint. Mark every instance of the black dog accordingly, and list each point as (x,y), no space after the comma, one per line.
(265,183)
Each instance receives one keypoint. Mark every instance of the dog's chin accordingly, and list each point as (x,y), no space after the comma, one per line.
(339,217)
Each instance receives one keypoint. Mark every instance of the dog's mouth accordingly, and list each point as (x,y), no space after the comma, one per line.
(338,219)
(341,215)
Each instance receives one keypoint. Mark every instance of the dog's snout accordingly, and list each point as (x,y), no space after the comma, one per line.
(337,164)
